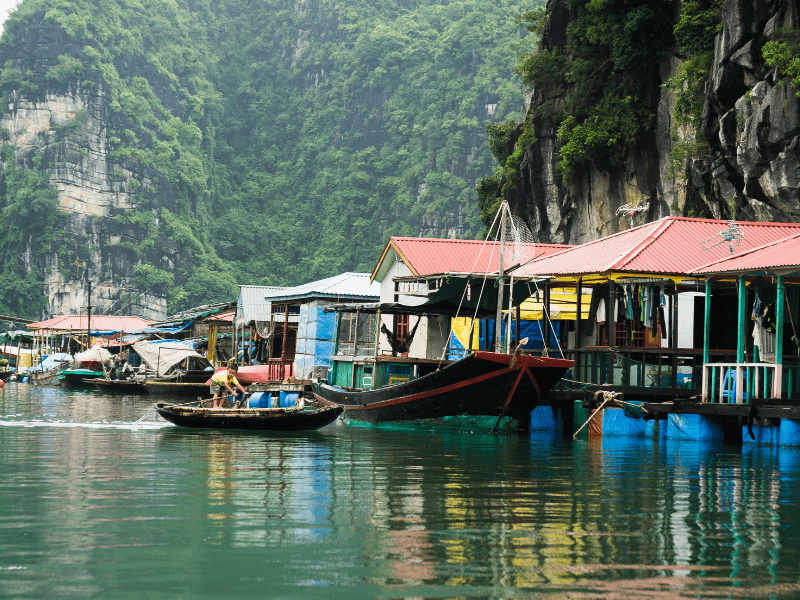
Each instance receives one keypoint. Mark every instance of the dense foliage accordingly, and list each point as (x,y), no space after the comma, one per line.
(599,103)
(298,135)
(783,53)
(28,221)
(694,33)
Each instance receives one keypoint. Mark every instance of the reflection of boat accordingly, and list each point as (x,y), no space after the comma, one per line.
(262,419)
(122,386)
(480,384)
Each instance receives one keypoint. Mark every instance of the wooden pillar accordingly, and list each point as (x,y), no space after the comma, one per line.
(377,337)
(674,328)
(707,324)
(578,327)
(394,317)
(611,315)
(780,308)
(756,351)
(741,312)
(355,333)
(546,316)
(285,334)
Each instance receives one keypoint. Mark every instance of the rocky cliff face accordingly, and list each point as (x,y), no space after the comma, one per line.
(68,125)
(750,123)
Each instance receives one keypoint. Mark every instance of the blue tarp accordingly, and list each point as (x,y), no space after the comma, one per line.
(149,330)
(51,362)
(532,330)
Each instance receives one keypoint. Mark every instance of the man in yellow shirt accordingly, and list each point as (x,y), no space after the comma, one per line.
(227,380)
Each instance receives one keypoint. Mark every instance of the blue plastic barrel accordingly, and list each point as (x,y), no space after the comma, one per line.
(258,400)
(288,399)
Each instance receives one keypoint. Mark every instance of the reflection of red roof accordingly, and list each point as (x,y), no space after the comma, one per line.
(429,256)
(670,245)
(780,255)
(99,323)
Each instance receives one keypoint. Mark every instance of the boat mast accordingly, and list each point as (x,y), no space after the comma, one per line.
(89,315)
(498,323)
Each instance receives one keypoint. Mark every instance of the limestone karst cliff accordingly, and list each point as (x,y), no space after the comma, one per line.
(737,157)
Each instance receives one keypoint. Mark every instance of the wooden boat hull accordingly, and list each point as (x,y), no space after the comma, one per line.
(49,377)
(253,419)
(77,379)
(481,384)
(184,390)
(4,375)
(122,386)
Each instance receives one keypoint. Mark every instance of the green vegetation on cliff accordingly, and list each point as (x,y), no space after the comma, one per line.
(297,136)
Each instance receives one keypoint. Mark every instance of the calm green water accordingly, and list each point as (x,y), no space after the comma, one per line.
(93,506)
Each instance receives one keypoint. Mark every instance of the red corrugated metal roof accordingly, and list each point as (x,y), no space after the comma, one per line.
(671,245)
(99,323)
(781,254)
(430,256)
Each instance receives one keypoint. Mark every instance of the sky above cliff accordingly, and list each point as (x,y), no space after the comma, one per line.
(6,6)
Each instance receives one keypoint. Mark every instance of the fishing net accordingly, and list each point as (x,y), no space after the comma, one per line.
(520,244)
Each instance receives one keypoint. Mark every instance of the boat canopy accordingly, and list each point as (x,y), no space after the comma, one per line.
(96,354)
(161,357)
(452,296)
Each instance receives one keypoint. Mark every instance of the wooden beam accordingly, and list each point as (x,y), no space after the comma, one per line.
(740,341)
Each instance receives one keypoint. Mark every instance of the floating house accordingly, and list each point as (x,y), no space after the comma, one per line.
(289,330)
(73,333)
(674,313)
(208,327)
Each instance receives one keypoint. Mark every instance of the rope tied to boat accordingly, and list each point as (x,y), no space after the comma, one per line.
(608,396)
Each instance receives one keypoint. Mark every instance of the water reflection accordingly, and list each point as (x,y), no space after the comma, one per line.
(93,505)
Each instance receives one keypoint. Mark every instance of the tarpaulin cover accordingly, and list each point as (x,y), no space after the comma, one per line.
(790,433)
(693,427)
(616,422)
(546,418)
(52,361)
(93,355)
(764,436)
(164,355)
(532,330)
(314,349)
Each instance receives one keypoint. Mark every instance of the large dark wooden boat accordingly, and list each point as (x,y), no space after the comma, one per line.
(79,378)
(480,384)
(261,419)
(5,374)
(120,386)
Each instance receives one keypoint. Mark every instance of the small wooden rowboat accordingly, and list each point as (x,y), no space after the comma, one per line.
(262,419)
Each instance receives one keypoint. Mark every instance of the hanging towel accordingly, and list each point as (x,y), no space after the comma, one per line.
(601,311)
(765,341)
(629,302)
(648,307)
(598,292)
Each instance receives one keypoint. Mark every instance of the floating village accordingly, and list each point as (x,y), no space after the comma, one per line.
(683,328)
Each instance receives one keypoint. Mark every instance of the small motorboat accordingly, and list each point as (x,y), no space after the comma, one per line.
(260,419)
